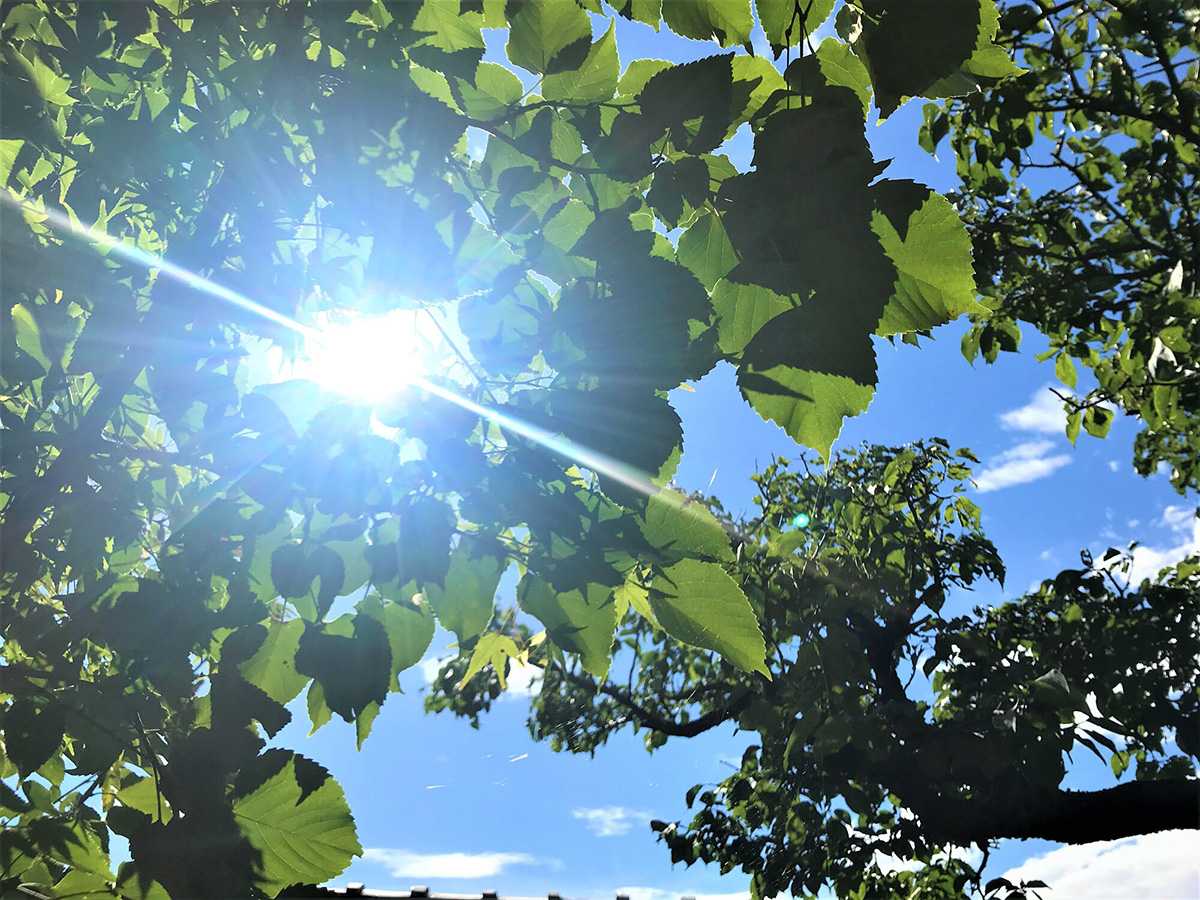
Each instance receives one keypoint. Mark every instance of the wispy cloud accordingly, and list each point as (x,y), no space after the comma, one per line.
(1163,866)
(611,821)
(1021,464)
(1043,414)
(1183,529)
(652,893)
(406,864)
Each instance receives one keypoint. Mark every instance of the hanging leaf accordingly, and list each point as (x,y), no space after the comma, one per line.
(676,524)
(409,625)
(728,22)
(546,36)
(592,81)
(925,239)
(298,819)
(581,621)
(788,22)
(494,650)
(464,603)
(698,603)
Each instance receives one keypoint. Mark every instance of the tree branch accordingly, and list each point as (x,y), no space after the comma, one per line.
(739,699)
(1070,817)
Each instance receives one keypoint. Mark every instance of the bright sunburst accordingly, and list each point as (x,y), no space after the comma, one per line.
(369,358)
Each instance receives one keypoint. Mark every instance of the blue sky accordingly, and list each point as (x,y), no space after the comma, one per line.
(440,804)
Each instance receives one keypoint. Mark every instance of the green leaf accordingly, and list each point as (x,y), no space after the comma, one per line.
(909,46)
(9,148)
(700,604)
(705,249)
(494,91)
(580,621)
(409,625)
(693,101)
(32,735)
(1097,420)
(742,311)
(788,22)
(272,668)
(351,659)
(448,28)
(28,335)
(464,604)
(841,68)
(729,22)
(925,239)
(594,80)
(809,406)
(648,12)
(491,649)
(673,522)
(298,819)
(1064,368)
(541,30)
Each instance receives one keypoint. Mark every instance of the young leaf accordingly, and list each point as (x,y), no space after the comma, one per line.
(492,649)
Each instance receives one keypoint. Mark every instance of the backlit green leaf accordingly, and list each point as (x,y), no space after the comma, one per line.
(728,22)
(700,604)
(299,821)
(541,30)
(579,621)
(594,80)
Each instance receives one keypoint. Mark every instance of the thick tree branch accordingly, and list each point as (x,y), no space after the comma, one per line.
(1070,817)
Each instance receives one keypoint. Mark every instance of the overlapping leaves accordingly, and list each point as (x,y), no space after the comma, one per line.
(163,518)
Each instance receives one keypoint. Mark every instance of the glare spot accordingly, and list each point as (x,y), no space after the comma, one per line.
(370,358)
(800,521)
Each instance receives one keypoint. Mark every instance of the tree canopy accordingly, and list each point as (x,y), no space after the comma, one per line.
(895,722)
(1079,187)
(191,541)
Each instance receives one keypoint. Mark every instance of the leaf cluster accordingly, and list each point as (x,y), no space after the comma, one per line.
(192,544)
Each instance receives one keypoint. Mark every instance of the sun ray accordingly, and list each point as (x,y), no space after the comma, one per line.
(600,463)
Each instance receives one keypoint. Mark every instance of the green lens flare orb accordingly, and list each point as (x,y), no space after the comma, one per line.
(801,520)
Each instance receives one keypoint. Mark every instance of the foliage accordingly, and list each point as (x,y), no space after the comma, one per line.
(895,724)
(190,545)
(1079,186)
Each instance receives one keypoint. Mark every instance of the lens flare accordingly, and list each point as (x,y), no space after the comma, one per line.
(370,358)
(800,521)
(363,356)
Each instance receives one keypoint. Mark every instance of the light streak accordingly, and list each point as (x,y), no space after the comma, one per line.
(151,261)
(597,462)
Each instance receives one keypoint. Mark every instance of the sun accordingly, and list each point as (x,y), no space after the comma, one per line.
(370,358)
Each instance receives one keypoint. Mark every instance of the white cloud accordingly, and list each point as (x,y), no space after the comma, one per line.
(406,864)
(1113,465)
(1043,414)
(523,681)
(1163,866)
(1019,465)
(430,666)
(1184,541)
(611,821)
(651,893)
